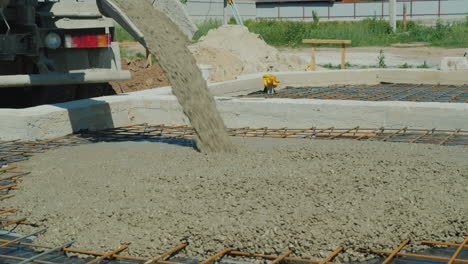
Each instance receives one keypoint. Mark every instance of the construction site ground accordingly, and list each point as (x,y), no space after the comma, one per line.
(308,196)
(144,76)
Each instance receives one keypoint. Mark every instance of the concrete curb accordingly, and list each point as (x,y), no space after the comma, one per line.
(159,106)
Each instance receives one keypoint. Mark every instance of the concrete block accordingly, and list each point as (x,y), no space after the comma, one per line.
(304,113)
(454,64)
(421,76)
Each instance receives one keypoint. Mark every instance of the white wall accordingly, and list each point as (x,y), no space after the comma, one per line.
(417,9)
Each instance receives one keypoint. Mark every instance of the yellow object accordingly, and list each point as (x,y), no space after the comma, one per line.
(270,81)
(310,67)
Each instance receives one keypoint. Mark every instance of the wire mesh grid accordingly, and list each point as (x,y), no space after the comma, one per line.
(379,92)
(455,137)
(15,248)
(15,150)
(20,250)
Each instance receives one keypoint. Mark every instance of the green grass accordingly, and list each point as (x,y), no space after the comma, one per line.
(124,53)
(122,35)
(369,32)
(206,26)
(335,67)
(423,66)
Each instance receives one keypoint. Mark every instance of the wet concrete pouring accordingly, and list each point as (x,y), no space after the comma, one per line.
(392,203)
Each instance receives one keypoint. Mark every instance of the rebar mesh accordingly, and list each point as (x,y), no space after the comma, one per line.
(379,92)
(454,137)
(16,248)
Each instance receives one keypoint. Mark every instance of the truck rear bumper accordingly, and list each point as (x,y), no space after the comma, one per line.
(100,76)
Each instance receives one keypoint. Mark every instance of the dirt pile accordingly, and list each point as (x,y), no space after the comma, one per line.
(273,195)
(165,40)
(144,76)
(220,45)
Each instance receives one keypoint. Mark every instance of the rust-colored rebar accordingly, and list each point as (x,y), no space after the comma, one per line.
(3,197)
(332,255)
(455,133)
(7,169)
(345,132)
(21,238)
(216,256)
(84,252)
(457,252)
(413,255)
(36,144)
(16,154)
(281,257)
(422,136)
(13,222)
(23,259)
(21,222)
(395,252)
(445,137)
(56,139)
(166,254)
(109,254)
(355,95)
(12,210)
(14,177)
(441,243)
(379,92)
(9,141)
(8,186)
(266,256)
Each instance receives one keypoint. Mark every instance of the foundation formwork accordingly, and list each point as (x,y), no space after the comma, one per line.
(159,106)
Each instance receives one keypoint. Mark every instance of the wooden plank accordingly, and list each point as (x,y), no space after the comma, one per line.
(313,58)
(343,56)
(325,41)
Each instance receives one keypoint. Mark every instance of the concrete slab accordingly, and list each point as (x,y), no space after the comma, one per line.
(160,106)
(454,63)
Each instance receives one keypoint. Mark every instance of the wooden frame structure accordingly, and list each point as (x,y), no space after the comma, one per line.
(313,64)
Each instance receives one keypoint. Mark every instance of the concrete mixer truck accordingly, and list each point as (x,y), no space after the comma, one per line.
(64,48)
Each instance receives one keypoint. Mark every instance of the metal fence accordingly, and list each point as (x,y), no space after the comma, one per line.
(416,9)
(201,10)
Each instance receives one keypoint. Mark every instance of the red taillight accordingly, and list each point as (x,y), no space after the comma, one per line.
(88,41)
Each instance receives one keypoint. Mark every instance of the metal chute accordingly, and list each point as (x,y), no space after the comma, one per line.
(172,8)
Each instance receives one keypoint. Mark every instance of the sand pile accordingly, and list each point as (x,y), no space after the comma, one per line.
(273,195)
(220,45)
(168,43)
